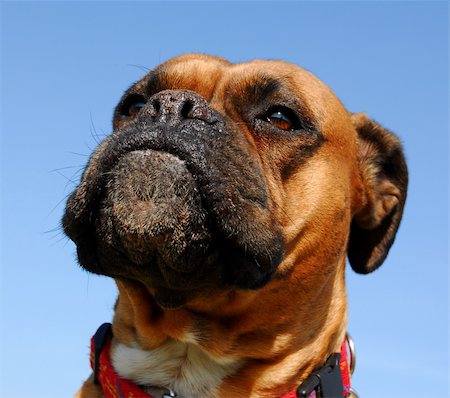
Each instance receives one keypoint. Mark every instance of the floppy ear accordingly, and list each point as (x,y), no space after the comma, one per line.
(385,179)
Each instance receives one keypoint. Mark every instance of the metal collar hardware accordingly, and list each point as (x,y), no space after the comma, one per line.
(170,394)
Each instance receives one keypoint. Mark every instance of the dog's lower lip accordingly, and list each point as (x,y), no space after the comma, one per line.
(147,149)
(152,210)
(151,150)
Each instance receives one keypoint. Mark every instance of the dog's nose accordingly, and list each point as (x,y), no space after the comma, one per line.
(175,106)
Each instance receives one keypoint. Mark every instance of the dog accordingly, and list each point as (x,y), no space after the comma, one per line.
(224,205)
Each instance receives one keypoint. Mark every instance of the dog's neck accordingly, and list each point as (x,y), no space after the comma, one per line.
(179,366)
(203,357)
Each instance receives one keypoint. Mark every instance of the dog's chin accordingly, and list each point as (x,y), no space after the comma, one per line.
(151,226)
(152,208)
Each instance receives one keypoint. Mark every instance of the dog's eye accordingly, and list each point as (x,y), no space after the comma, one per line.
(135,107)
(132,105)
(282,118)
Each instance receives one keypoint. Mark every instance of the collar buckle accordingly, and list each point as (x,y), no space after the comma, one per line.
(325,382)
(170,394)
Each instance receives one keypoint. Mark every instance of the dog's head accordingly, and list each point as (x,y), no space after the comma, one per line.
(221,177)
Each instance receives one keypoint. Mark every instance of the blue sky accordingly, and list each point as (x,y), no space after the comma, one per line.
(64,66)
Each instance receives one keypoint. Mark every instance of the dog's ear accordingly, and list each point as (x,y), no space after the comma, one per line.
(384,180)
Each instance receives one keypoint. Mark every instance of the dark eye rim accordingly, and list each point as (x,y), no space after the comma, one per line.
(129,101)
(300,122)
(288,113)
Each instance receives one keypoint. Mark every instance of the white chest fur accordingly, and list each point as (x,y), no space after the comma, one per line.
(179,366)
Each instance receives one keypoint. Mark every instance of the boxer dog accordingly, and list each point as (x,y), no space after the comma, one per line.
(224,204)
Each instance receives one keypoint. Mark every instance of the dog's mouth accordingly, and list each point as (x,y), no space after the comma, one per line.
(154,214)
(183,209)
(151,224)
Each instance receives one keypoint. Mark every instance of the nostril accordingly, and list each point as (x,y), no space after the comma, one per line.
(156,106)
(187,108)
(175,106)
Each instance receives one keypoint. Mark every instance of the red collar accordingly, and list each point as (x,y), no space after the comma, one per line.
(334,376)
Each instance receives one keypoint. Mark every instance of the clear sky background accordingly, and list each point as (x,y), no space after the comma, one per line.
(64,66)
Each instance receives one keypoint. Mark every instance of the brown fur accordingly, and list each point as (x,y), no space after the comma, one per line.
(351,183)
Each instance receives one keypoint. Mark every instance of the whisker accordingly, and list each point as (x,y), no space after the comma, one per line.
(57,205)
(94,133)
(79,167)
(93,130)
(79,154)
(141,67)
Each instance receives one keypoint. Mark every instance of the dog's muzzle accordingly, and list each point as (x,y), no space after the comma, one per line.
(175,200)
